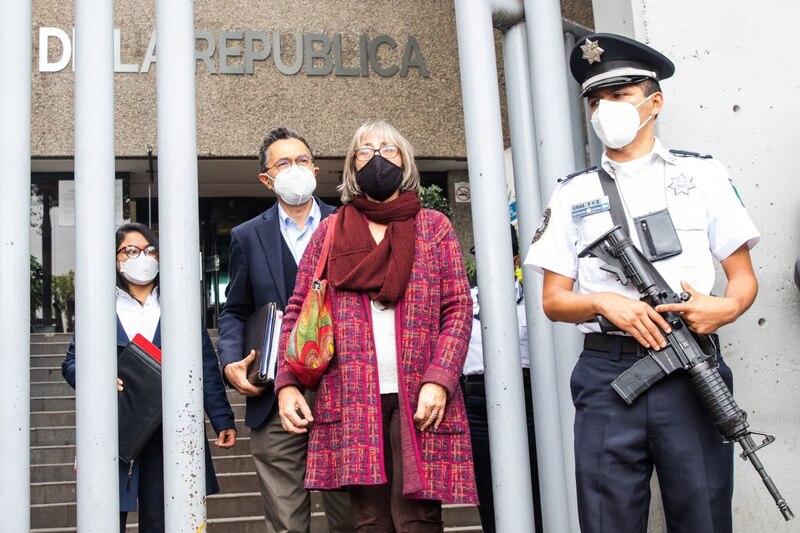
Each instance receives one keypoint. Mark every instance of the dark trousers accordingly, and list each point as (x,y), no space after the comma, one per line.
(617,446)
(475,401)
(151,487)
(383,508)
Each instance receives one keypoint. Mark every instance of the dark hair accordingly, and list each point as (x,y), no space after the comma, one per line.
(278,134)
(148,235)
(650,86)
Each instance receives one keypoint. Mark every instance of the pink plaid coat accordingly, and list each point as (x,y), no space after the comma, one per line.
(433,325)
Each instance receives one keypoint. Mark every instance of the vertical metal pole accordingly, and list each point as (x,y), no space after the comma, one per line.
(490,215)
(95,315)
(182,387)
(580,116)
(556,159)
(575,106)
(15,246)
(550,92)
(549,445)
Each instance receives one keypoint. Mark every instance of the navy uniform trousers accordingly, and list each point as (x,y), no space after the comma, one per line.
(617,446)
(477,415)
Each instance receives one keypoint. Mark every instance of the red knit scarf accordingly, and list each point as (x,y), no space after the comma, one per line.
(357,263)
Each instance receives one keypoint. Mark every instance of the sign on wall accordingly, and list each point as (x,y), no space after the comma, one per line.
(463,194)
(242,52)
(66,202)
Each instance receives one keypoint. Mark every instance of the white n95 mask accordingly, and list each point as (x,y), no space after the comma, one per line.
(616,123)
(139,270)
(295,185)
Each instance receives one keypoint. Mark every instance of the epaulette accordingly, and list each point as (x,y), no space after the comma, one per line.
(684,153)
(578,173)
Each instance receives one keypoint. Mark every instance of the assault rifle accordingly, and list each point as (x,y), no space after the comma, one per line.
(685,350)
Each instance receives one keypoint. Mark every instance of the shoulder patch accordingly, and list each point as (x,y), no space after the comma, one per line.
(542,226)
(578,173)
(685,153)
(739,196)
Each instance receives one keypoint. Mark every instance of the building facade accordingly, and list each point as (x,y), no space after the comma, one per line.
(321,68)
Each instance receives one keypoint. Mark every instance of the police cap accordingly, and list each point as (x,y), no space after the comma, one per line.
(605,60)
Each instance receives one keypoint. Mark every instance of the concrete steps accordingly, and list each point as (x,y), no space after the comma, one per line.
(236,509)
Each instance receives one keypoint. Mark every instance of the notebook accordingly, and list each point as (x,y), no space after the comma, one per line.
(261,331)
(139,402)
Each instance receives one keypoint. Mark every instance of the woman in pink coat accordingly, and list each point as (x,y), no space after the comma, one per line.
(389,423)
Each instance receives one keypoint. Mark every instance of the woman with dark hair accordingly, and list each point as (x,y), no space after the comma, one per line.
(389,423)
(139,311)
(152,241)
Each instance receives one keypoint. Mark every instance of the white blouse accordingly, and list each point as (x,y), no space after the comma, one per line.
(383,331)
(138,318)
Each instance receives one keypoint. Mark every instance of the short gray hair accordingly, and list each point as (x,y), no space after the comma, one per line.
(385,131)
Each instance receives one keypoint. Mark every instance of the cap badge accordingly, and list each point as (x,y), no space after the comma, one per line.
(592,51)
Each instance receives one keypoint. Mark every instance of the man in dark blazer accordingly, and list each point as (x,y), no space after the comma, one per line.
(264,254)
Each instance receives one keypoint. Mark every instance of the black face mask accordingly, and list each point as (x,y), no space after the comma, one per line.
(379,178)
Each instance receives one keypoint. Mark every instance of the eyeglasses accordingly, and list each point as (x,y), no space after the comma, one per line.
(133,251)
(365,153)
(302,161)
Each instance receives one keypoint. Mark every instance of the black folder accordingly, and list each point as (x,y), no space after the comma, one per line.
(139,402)
(261,332)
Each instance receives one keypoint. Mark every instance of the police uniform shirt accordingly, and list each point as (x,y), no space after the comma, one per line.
(706,211)
(473,364)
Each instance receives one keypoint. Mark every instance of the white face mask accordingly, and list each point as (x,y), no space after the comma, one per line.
(295,185)
(616,123)
(139,270)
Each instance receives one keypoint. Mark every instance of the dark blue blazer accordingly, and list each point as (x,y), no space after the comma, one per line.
(256,278)
(215,402)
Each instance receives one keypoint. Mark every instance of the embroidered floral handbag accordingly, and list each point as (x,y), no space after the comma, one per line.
(310,347)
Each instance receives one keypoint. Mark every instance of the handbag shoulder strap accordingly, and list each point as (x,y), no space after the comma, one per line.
(614,201)
(326,247)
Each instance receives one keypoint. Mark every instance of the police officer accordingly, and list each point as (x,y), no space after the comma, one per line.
(681,211)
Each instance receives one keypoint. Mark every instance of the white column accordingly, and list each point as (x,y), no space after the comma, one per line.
(556,158)
(182,386)
(550,447)
(576,106)
(15,180)
(95,315)
(550,92)
(505,398)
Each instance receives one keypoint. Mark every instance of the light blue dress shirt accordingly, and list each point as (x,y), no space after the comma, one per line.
(296,238)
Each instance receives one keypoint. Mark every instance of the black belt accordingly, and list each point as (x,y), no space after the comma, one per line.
(473,384)
(614,347)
